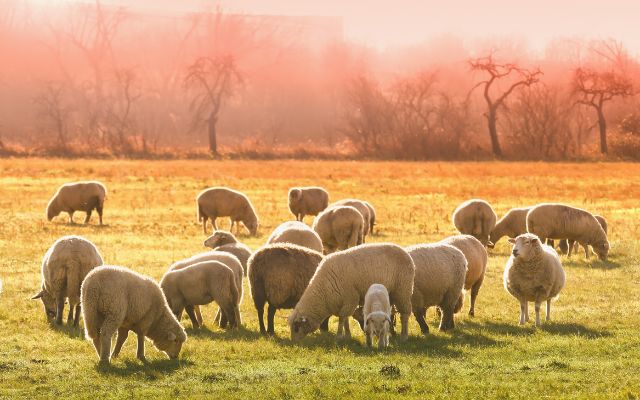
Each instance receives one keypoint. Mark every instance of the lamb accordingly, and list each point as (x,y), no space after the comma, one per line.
(78,196)
(362,208)
(305,201)
(225,241)
(296,232)
(278,274)
(439,281)
(377,315)
(372,216)
(476,256)
(339,228)
(64,267)
(342,280)
(227,259)
(200,284)
(118,299)
(559,221)
(572,246)
(512,224)
(475,217)
(223,202)
(533,273)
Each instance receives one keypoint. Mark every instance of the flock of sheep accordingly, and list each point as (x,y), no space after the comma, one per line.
(319,272)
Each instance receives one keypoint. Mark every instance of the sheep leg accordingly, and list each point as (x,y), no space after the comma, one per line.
(140,352)
(88,217)
(382,342)
(368,338)
(538,313)
(548,316)
(99,210)
(192,315)
(324,326)
(70,315)
(76,320)
(570,250)
(198,315)
(107,330)
(420,315)
(347,331)
(523,312)
(586,250)
(404,323)
(123,333)
(231,227)
(446,321)
(204,224)
(339,333)
(59,309)
(271,313)
(71,217)
(223,319)
(474,294)
(213,222)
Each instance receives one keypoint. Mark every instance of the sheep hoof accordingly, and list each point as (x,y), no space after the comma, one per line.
(472,313)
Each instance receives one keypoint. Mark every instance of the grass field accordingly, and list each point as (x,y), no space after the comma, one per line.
(590,350)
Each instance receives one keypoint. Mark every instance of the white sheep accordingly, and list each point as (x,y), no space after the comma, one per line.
(64,267)
(475,217)
(439,282)
(307,201)
(362,208)
(372,216)
(342,280)
(533,273)
(223,202)
(296,232)
(377,315)
(118,299)
(78,196)
(227,242)
(572,245)
(339,228)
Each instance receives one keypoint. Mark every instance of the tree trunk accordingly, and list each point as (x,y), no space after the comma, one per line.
(492,118)
(602,124)
(213,140)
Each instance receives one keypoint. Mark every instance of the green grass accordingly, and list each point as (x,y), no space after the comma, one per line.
(590,349)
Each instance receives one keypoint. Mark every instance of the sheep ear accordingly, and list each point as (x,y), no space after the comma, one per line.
(171,336)
(38,296)
(512,240)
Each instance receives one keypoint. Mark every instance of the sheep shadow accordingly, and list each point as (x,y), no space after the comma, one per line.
(151,369)
(591,263)
(242,333)
(71,331)
(573,329)
(554,328)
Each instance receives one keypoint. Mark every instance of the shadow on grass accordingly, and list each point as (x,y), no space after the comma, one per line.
(592,263)
(221,334)
(69,330)
(151,369)
(560,329)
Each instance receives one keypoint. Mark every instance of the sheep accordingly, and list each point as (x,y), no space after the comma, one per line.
(477,257)
(78,196)
(377,315)
(223,202)
(372,216)
(342,280)
(339,228)
(305,201)
(64,267)
(118,299)
(227,259)
(533,273)
(296,232)
(512,224)
(200,284)
(278,274)
(475,217)
(559,221)
(568,246)
(362,208)
(225,241)
(439,281)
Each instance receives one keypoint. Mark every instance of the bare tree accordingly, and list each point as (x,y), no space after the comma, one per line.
(55,112)
(514,74)
(213,80)
(119,113)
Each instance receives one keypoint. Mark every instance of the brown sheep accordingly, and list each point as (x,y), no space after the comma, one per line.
(307,201)
(223,202)
(476,218)
(78,196)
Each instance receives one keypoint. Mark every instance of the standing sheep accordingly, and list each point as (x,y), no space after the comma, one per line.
(339,228)
(118,299)
(64,267)
(476,218)
(377,315)
(362,208)
(78,196)
(533,273)
(305,201)
(200,284)
(296,232)
(439,281)
(222,202)
(477,257)
(278,275)
(572,245)
(225,241)
(342,280)
(559,221)
(512,224)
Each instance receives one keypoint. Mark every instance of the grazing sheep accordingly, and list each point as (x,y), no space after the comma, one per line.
(278,274)
(305,201)
(476,218)
(476,256)
(64,267)
(533,273)
(342,280)
(296,232)
(559,221)
(118,299)
(362,208)
(200,284)
(439,281)
(227,259)
(573,246)
(225,241)
(78,196)
(222,202)
(372,216)
(512,224)
(377,315)
(339,228)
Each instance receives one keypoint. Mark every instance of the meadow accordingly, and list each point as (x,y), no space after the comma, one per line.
(589,350)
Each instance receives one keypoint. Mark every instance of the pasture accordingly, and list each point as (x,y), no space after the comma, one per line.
(589,350)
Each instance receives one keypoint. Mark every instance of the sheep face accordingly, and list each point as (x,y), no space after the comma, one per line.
(219,238)
(52,211)
(524,246)
(295,195)
(377,324)
(300,326)
(48,301)
(601,249)
(252,226)
(171,343)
